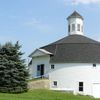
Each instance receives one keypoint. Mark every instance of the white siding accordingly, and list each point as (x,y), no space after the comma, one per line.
(37,61)
(68,77)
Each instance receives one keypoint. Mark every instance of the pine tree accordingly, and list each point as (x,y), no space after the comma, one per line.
(13,73)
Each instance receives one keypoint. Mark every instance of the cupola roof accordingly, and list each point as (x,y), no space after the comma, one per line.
(75,14)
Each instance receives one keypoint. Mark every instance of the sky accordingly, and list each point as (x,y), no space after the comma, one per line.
(35,23)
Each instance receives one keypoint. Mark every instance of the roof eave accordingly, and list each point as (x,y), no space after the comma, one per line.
(42,50)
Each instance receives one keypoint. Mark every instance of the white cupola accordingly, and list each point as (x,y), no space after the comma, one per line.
(75,24)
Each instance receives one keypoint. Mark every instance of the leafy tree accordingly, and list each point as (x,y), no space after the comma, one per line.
(13,73)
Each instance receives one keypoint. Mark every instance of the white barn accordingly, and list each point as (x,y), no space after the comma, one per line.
(72,63)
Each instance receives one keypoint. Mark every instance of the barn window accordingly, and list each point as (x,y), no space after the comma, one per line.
(55,83)
(52,66)
(80,86)
(94,65)
(38,67)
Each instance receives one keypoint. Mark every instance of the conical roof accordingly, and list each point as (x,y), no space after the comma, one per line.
(75,15)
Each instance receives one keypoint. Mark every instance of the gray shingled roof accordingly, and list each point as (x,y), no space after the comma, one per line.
(74,49)
(76,39)
(75,15)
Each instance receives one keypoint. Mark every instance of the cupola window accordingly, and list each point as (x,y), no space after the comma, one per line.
(78,27)
(73,27)
(68,28)
(82,28)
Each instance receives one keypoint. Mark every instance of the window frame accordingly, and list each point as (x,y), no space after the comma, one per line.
(94,65)
(52,66)
(81,86)
(78,27)
(68,28)
(38,67)
(55,83)
(73,27)
(82,28)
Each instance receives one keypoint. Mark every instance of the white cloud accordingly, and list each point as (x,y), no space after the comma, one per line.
(76,2)
(37,24)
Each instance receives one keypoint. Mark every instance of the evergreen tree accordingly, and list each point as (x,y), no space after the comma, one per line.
(13,73)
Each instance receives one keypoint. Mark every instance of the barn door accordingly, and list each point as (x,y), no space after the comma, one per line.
(40,70)
(96,90)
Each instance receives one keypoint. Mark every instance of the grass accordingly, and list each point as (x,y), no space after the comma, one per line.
(43,95)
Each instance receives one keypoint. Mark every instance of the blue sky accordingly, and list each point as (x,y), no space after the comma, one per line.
(35,23)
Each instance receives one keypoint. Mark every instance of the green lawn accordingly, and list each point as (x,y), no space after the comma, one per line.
(43,95)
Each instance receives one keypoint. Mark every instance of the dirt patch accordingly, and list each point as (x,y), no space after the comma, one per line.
(39,84)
